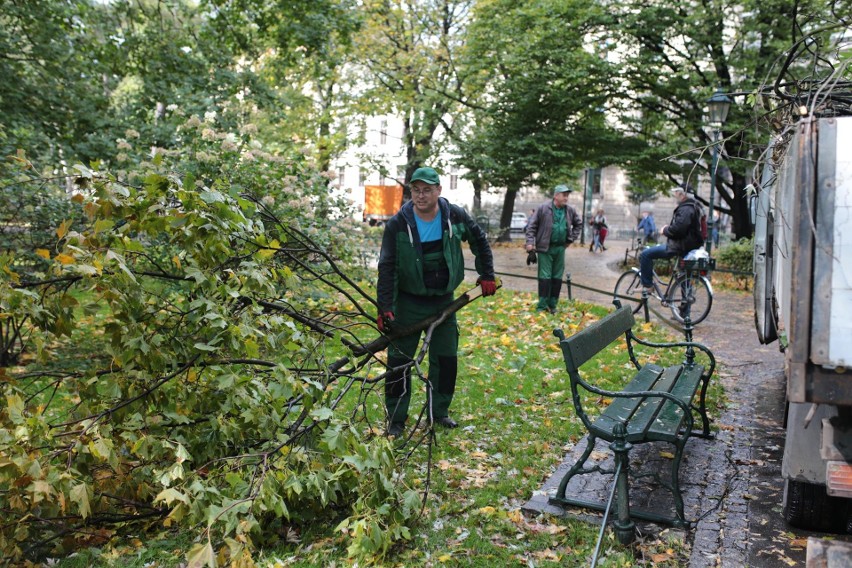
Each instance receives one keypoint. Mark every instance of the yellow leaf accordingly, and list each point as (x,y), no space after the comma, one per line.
(64,258)
(667,455)
(201,555)
(445,558)
(44,253)
(62,230)
(505,340)
(176,260)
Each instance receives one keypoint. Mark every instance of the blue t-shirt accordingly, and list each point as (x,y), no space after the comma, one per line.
(429,230)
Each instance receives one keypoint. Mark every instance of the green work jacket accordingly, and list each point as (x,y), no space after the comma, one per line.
(401,257)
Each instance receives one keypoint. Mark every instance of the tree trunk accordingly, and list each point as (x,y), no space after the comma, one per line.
(477,193)
(504,234)
(740,218)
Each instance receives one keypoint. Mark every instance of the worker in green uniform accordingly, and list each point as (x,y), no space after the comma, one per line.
(553,226)
(420,265)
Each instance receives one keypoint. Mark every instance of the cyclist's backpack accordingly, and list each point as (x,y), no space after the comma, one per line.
(701,221)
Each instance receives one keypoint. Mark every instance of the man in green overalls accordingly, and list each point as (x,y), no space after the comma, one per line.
(420,265)
(553,226)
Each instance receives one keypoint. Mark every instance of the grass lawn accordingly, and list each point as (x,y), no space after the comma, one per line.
(516,423)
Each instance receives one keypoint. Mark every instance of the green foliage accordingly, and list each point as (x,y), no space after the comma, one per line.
(209,401)
(543,113)
(737,255)
(31,209)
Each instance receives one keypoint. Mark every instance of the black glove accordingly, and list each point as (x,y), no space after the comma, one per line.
(531,259)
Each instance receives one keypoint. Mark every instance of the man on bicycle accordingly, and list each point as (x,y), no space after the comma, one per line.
(683,234)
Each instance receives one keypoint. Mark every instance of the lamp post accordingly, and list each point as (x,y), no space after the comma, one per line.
(718,106)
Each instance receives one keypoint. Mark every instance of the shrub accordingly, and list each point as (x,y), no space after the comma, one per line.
(737,256)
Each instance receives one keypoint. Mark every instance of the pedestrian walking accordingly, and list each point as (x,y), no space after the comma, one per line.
(647,228)
(553,226)
(683,235)
(599,230)
(715,226)
(420,266)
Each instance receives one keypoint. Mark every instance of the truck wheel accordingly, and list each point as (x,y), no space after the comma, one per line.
(807,506)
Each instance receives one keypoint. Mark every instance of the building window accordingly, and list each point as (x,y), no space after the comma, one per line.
(454,181)
(400,175)
(594,180)
(341,176)
(383,132)
(362,177)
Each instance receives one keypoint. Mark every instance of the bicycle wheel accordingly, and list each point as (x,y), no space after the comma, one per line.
(630,286)
(690,295)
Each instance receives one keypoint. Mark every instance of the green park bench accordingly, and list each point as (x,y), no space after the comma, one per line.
(657,405)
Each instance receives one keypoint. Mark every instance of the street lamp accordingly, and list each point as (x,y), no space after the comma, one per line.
(718,106)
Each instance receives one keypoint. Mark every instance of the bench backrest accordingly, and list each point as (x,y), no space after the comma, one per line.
(587,343)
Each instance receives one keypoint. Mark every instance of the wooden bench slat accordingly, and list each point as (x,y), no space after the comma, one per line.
(649,409)
(671,416)
(651,418)
(621,409)
(582,346)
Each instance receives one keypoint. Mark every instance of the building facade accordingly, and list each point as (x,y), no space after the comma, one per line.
(380,161)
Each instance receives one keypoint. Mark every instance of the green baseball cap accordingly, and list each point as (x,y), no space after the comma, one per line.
(429,175)
(561,189)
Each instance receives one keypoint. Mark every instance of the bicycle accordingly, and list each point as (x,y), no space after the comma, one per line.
(688,292)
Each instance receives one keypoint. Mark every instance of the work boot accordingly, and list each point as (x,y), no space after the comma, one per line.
(446,422)
(395,429)
(543,295)
(555,289)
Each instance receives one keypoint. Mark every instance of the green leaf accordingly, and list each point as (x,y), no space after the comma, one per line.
(252,348)
(102,225)
(211,196)
(332,437)
(170,495)
(80,496)
(15,405)
(322,413)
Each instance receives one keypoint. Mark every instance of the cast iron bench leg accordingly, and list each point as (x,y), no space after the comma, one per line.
(577,467)
(678,498)
(625,528)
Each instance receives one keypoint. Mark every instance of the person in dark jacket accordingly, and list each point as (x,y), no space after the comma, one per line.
(553,226)
(420,265)
(683,234)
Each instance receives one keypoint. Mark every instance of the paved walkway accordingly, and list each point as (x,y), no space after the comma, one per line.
(732,485)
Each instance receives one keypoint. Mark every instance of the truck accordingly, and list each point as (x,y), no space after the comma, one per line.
(802,214)
(381,202)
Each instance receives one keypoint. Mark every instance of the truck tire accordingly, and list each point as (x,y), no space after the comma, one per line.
(807,506)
